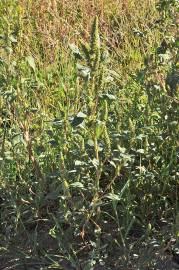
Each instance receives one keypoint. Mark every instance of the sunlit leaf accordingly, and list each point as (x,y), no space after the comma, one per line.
(77,185)
(31,62)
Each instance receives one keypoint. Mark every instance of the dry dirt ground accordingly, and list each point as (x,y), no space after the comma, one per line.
(34,251)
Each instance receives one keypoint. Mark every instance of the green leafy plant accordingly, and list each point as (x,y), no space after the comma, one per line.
(88,149)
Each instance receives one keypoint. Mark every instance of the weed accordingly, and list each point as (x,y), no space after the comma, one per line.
(88,132)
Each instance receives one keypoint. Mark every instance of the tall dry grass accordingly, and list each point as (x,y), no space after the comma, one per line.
(49,24)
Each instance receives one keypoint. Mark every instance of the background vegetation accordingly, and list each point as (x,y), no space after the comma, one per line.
(89,134)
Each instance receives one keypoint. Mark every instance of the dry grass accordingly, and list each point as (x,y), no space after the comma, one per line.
(50,24)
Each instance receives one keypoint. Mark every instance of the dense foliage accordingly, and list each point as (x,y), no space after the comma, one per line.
(89,141)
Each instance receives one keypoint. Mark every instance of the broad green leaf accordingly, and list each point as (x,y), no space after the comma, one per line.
(90,143)
(81,115)
(83,71)
(16,139)
(78,119)
(31,62)
(75,51)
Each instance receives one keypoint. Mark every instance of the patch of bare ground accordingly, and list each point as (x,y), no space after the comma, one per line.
(37,250)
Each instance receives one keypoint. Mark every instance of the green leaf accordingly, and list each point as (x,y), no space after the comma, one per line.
(8,156)
(16,139)
(53,143)
(78,119)
(12,39)
(176,44)
(140,151)
(75,51)
(121,149)
(117,197)
(78,163)
(90,143)
(77,185)
(31,62)
(140,136)
(124,188)
(113,197)
(81,115)
(109,97)
(90,265)
(99,129)
(83,71)
(95,162)
(112,164)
